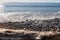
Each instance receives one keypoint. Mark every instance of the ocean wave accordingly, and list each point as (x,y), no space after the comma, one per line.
(26,15)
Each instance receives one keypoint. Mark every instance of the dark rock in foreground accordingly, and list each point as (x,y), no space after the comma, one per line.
(21,36)
(16,36)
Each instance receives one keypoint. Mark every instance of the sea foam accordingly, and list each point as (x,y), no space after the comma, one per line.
(26,15)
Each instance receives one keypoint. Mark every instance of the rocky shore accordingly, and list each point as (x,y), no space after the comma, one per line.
(39,30)
(36,25)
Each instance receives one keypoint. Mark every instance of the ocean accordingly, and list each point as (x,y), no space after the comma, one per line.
(30,11)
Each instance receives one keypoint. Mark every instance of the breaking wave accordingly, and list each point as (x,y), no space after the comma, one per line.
(27,15)
(21,15)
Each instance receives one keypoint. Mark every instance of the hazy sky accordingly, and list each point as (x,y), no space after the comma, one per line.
(3,1)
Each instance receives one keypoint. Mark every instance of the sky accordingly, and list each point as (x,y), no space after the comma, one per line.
(5,1)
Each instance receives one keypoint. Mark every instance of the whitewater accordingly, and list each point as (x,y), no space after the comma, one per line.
(30,14)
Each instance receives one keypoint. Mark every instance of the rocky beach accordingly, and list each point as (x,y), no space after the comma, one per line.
(36,25)
(29,21)
(31,30)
